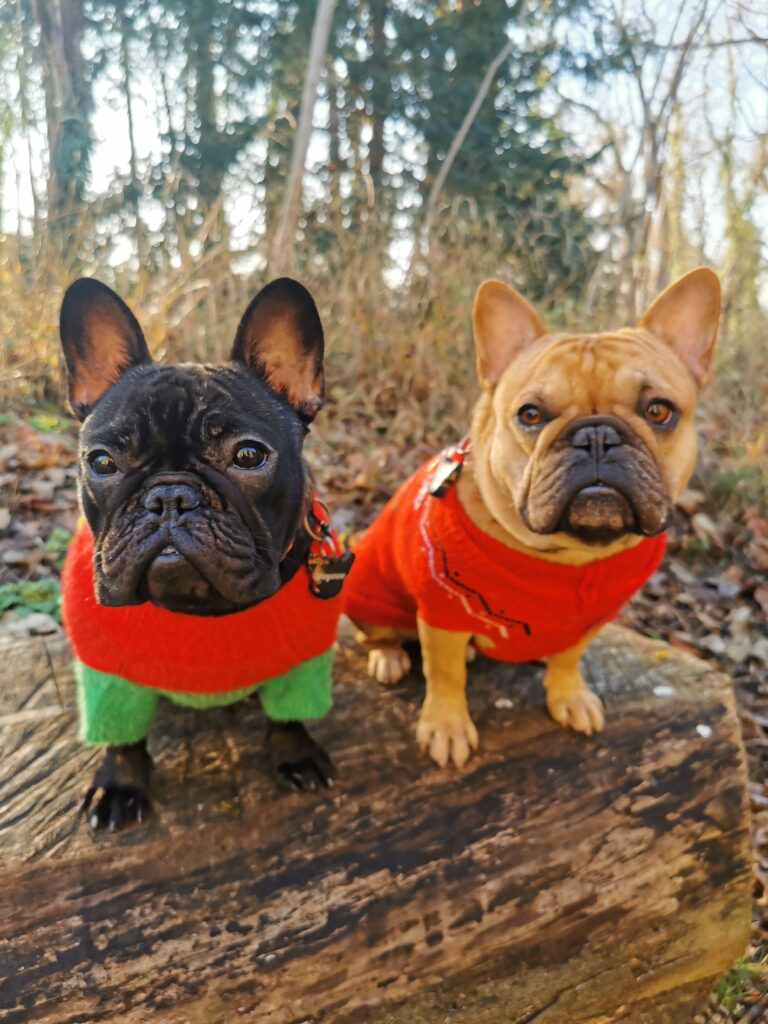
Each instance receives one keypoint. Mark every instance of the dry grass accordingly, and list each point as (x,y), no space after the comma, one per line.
(400,360)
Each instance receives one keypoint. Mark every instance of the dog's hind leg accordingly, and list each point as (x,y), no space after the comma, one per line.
(388,661)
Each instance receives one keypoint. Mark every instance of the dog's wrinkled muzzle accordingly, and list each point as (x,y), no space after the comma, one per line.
(597,482)
(178,544)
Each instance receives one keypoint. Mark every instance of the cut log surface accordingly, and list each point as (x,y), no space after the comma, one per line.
(558,879)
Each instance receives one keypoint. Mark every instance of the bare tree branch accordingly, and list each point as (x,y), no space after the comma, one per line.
(461,134)
(281,255)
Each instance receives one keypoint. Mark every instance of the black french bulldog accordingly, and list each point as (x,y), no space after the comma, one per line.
(195,492)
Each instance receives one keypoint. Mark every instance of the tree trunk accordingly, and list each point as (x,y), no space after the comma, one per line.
(281,253)
(380,91)
(68,103)
(132,194)
(558,879)
(26,116)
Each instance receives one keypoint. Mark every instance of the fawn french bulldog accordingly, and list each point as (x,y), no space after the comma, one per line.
(580,444)
(199,573)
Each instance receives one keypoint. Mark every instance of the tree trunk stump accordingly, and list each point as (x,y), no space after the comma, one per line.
(558,879)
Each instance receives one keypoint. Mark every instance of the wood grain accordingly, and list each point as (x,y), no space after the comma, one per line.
(558,879)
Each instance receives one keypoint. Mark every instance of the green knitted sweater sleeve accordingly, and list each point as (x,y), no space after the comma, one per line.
(116,711)
(302,693)
(112,709)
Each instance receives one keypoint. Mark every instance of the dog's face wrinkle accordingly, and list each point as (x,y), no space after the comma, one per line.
(240,564)
(610,376)
(563,473)
(186,420)
(134,539)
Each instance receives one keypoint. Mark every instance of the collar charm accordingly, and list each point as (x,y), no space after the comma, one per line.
(328,562)
(448,467)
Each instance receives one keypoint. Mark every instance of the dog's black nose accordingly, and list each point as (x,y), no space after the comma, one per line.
(597,438)
(171,498)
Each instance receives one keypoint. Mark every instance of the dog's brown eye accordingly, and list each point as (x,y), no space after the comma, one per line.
(101,462)
(530,415)
(660,412)
(250,456)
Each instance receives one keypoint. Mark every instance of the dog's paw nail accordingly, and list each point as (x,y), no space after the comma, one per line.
(438,750)
(460,754)
(449,741)
(581,711)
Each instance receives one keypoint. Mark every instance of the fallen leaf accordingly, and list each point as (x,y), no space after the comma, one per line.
(690,501)
(706,529)
(757,552)
(714,643)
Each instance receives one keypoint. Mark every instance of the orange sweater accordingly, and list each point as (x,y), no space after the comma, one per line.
(424,557)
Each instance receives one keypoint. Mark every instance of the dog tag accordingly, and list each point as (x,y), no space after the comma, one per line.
(446,472)
(445,475)
(328,572)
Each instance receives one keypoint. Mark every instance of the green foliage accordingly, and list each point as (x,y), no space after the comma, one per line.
(30,596)
(227,78)
(739,483)
(49,423)
(736,982)
(514,167)
(56,545)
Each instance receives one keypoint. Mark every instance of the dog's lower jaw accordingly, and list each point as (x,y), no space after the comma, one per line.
(178,586)
(174,583)
(600,516)
(599,509)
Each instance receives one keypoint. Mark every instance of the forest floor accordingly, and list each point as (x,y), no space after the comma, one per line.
(709,598)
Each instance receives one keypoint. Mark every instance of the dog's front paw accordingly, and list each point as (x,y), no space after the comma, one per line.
(388,664)
(118,794)
(447,736)
(295,758)
(581,710)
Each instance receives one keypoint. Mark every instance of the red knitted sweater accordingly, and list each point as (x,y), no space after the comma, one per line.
(193,653)
(424,556)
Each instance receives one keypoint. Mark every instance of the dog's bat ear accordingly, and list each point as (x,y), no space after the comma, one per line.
(281,337)
(101,339)
(503,324)
(686,316)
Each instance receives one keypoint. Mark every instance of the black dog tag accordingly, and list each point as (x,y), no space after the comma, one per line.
(328,572)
